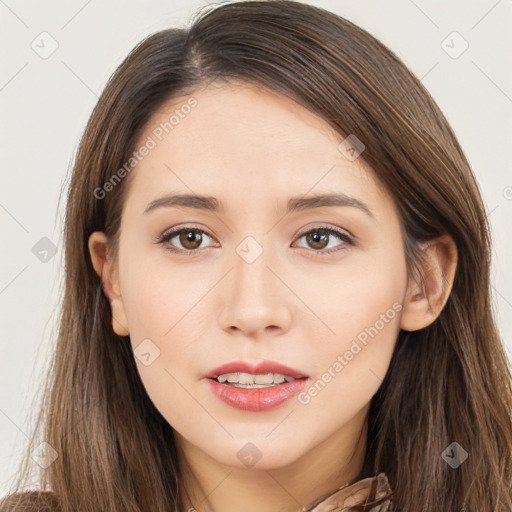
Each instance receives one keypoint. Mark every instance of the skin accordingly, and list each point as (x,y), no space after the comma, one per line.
(252,149)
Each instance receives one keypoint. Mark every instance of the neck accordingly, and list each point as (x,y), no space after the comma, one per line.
(208,486)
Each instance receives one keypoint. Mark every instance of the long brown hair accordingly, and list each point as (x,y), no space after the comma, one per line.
(449,382)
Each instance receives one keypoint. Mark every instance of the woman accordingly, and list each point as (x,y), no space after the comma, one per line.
(277,285)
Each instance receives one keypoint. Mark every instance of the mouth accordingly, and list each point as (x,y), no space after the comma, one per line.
(265,373)
(257,387)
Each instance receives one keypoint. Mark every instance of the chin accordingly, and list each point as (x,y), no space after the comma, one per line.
(259,453)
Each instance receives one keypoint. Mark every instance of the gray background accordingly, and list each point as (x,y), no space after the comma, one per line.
(45,103)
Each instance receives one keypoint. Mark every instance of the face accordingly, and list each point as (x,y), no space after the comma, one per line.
(316,287)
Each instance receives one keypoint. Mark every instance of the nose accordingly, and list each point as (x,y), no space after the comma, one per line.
(255,300)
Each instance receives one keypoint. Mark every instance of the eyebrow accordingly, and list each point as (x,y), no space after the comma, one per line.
(212,204)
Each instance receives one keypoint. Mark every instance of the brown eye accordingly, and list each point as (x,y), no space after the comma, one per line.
(317,239)
(320,238)
(190,239)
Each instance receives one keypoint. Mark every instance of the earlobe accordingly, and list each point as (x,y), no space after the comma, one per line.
(107,272)
(426,296)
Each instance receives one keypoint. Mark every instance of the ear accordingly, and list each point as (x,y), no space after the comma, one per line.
(107,270)
(425,299)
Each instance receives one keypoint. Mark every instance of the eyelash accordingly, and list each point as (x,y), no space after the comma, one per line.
(166,237)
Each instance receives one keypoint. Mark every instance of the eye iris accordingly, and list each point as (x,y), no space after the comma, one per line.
(314,238)
(190,237)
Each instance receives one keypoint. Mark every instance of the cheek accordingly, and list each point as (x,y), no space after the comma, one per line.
(156,293)
(368,301)
(349,367)
(160,312)
(360,311)
(174,321)
(350,299)
(149,306)
(167,317)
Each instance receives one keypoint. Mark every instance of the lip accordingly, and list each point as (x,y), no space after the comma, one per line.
(256,399)
(256,369)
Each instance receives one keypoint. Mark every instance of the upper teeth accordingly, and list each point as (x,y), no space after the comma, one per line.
(249,378)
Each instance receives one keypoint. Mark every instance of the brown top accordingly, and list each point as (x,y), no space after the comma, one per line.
(363,493)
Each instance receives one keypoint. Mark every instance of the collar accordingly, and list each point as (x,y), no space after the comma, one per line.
(360,493)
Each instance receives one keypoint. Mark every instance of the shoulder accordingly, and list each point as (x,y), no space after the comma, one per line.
(31,501)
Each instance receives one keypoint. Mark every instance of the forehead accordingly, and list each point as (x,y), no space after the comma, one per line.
(244,119)
(235,140)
